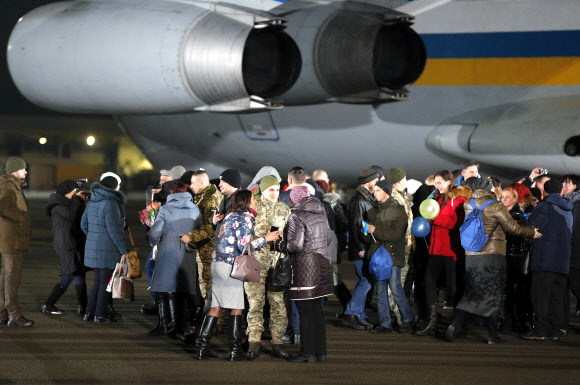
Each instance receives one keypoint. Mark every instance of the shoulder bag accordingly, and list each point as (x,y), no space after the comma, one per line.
(246,267)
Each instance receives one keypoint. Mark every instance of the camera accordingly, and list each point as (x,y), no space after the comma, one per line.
(543,171)
(80,182)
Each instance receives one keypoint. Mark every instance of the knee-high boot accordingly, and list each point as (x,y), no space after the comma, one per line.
(235,339)
(179,314)
(81,290)
(171,311)
(162,328)
(48,306)
(431,328)
(203,340)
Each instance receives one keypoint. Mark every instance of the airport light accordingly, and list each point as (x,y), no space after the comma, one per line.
(90,140)
(42,140)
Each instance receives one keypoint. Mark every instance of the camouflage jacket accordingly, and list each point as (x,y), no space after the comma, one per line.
(209,198)
(409,237)
(269,214)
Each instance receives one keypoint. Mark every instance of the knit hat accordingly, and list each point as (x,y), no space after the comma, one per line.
(553,186)
(186,177)
(385,185)
(110,182)
(164,172)
(298,193)
(267,182)
(232,177)
(111,174)
(14,164)
(367,175)
(66,186)
(475,183)
(536,193)
(176,172)
(395,175)
(378,169)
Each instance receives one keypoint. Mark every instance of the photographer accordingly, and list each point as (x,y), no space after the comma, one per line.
(66,207)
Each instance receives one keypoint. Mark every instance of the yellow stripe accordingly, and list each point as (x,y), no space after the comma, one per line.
(552,71)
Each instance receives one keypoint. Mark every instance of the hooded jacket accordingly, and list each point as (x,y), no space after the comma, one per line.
(445,239)
(553,218)
(497,220)
(574,197)
(15,226)
(307,240)
(68,238)
(102,222)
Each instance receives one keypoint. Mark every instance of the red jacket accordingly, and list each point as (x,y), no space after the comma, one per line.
(445,239)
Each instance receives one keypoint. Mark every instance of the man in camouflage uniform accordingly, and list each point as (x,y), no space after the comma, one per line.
(398,178)
(271,212)
(207,199)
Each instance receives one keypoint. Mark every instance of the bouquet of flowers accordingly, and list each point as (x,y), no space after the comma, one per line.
(147,215)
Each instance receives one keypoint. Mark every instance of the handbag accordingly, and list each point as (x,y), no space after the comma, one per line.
(381,264)
(246,267)
(282,273)
(123,287)
(132,260)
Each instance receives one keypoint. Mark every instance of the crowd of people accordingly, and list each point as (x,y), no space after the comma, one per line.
(518,281)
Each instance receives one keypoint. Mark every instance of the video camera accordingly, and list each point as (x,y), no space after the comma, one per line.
(80,182)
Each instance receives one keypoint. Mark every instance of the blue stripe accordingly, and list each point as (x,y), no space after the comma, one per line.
(503,44)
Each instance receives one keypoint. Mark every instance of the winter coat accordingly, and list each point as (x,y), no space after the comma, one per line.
(209,198)
(15,226)
(67,237)
(409,237)
(390,221)
(496,222)
(175,270)
(307,240)
(553,218)
(358,206)
(574,197)
(103,224)
(236,230)
(517,246)
(444,237)
(269,214)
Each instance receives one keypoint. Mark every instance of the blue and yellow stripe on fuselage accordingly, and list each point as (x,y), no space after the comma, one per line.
(502,58)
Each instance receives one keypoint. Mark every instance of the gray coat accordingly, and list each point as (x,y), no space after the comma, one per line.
(175,269)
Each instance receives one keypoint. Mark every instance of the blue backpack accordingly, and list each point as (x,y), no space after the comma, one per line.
(381,264)
(472,232)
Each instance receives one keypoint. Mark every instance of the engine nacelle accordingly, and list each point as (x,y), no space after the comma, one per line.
(354,53)
(150,57)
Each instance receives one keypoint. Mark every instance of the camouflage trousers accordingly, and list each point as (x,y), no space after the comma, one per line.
(203,259)
(256,293)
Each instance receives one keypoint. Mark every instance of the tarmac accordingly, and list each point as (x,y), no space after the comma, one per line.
(65,350)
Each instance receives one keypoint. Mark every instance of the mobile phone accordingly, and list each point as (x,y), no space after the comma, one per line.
(273,228)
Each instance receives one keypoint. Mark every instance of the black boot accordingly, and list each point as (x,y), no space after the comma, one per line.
(235,337)
(81,298)
(48,307)
(171,311)
(343,294)
(458,327)
(493,337)
(203,340)
(162,328)
(431,328)
(180,315)
(111,312)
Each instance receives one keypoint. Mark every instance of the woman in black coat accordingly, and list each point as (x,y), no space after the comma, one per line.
(66,207)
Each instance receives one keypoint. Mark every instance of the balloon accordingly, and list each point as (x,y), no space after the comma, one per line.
(429,208)
(420,227)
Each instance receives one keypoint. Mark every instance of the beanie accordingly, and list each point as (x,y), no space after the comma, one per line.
(232,177)
(267,182)
(367,175)
(385,185)
(536,193)
(395,175)
(66,186)
(176,172)
(110,182)
(378,169)
(186,177)
(112,174)
(14,164)
(298,193)
(553,186)
(475,183)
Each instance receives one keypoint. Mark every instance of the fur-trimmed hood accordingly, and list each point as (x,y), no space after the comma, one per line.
(460,191)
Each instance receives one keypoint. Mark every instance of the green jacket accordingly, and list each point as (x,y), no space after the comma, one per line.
(209,198)
(269,214)
(14,216)
(390,220)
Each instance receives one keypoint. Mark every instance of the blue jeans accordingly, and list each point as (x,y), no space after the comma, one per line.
(356,306)
(66,280)
(149,267)
(394,283)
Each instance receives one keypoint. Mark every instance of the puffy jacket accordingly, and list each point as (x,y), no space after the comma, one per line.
(390,220)
(357,209)
(445,239)
(102,222)
(496,219)
(307,240)
(574,197)
(553,218)
(15,226)
(68,238)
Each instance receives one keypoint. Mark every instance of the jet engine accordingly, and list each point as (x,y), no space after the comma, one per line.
(354,53)
(126,57)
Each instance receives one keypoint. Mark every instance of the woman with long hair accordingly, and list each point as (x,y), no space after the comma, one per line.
(570,191)
(236,231)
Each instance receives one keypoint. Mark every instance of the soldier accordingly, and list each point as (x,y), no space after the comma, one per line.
(271,212)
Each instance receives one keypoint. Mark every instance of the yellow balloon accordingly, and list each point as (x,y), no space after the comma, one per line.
(429,208)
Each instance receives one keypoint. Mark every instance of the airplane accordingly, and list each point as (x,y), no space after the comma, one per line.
(334,85)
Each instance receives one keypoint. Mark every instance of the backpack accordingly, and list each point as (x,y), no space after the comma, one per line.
(381,264)
(472,232)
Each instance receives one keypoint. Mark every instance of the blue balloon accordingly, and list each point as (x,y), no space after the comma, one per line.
(420,227)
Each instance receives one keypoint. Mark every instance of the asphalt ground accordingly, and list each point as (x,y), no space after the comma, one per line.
(66,350)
